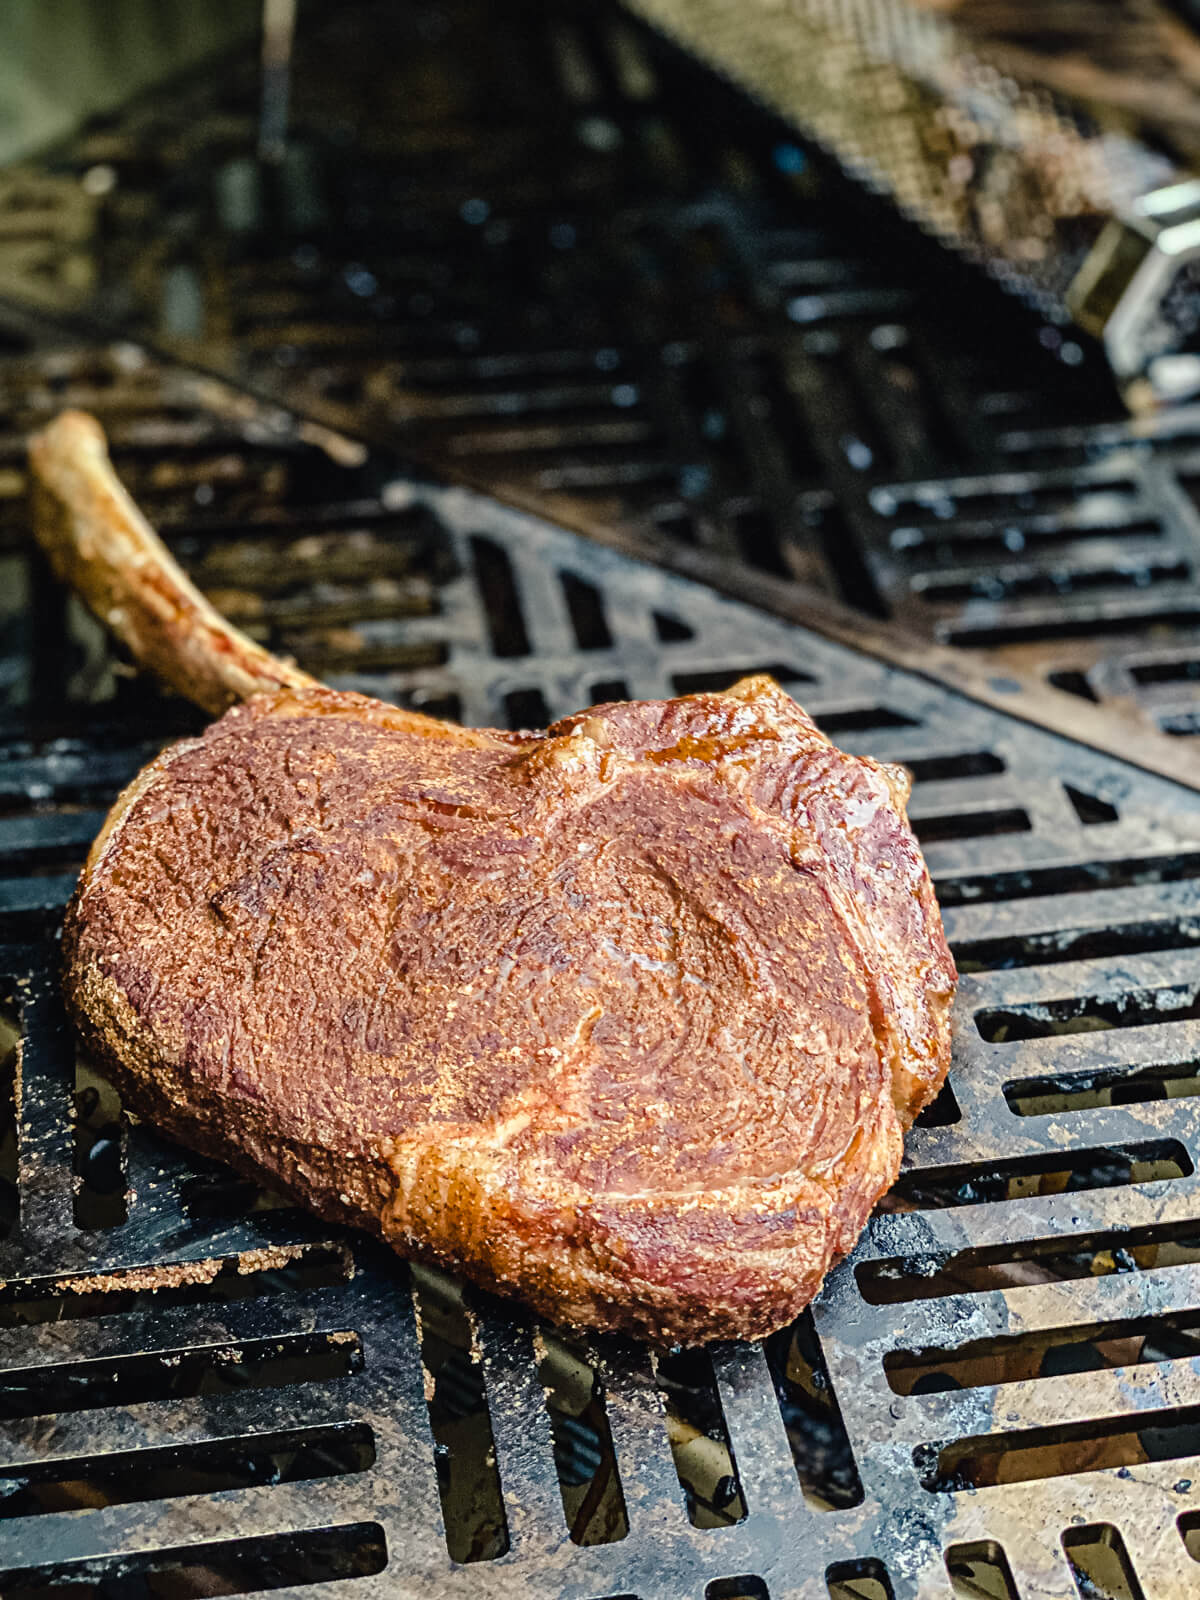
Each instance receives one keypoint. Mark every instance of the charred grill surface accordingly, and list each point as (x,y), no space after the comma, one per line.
(246,1398)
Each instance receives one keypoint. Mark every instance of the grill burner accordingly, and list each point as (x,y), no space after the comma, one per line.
(1004,1373)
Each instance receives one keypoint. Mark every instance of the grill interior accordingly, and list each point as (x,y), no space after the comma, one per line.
(206,1392)
(530,245)
(472,258)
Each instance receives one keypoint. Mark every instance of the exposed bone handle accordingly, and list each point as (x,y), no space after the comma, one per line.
(102,546)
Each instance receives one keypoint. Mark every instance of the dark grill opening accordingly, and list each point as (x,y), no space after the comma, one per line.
(821,1450)
(1015,584)
(476,1525)
(1090,808)
(700,1445)
(1100,1562)
(525,709)
(935,1187)
(670,630)
(1071,681)
(50,847)
(291,1269)
(747,1587)
(1189,1528)
(943,1111)
(1058,624)
(219,1369)
(980,1569)
(1084,1091)
(10,1045)
(970,764)
(1045,1019)
(586,608)
(1076,878)
(971,824)
(202,1572)
(216,1193)
(708,682)
(757,544)
(1075,944)
(99,1164)
(63,776)
(589,1481)
(1169,1434)
(503,606)
(893,1280)
(863,719)
(608,689)
(859,1580)
(1051,1352)
(163,1474)
(1179,670)
(1012,497)
(967,544)
(844,558)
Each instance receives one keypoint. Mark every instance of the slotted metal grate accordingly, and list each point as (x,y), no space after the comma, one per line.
(203,1392)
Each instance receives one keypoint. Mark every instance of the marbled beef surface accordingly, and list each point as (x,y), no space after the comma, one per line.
(626,1018)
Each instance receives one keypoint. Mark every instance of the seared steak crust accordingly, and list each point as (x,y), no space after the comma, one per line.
(626,1018)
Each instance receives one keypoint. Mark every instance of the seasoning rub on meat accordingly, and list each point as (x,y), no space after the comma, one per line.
(626,1018)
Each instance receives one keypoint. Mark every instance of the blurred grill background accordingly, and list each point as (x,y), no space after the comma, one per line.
(64,60)
(537,249)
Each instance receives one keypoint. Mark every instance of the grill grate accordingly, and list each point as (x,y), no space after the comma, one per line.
(528,249)
(205,1392)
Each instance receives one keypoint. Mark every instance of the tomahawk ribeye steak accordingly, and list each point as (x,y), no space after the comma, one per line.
(627,1017)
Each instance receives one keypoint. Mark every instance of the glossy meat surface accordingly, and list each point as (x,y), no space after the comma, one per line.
(626,1018)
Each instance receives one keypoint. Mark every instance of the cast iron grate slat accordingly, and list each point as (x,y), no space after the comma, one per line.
(232,1373)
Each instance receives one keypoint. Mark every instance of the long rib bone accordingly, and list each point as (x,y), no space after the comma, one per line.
(101,545)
